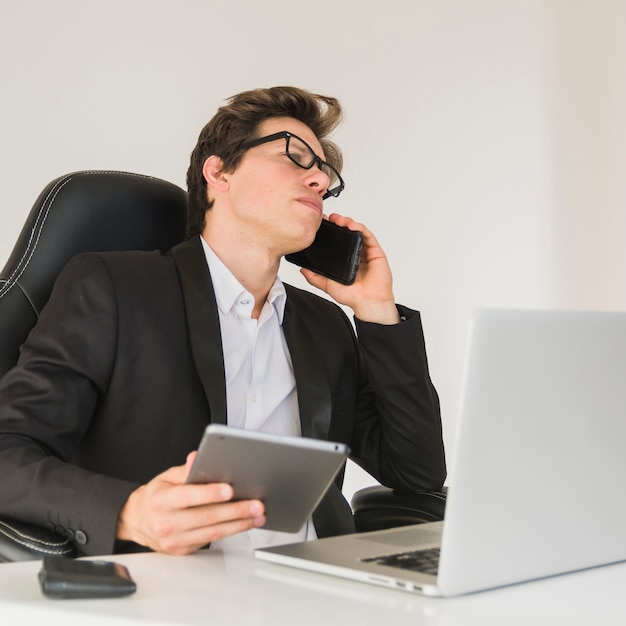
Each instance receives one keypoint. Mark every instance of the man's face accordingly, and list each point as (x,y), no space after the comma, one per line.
(275,203)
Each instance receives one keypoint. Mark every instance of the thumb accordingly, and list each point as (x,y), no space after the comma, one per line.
(179,473)
(191,457)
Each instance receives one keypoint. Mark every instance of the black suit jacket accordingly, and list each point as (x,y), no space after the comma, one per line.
(124,370)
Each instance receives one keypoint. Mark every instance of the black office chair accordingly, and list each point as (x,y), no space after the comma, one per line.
(377,507)
(98,211)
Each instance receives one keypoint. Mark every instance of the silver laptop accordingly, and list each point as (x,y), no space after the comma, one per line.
(537,480)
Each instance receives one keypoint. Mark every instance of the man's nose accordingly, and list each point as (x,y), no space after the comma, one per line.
(318,179)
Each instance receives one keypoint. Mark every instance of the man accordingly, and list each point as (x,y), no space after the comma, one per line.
(137,352)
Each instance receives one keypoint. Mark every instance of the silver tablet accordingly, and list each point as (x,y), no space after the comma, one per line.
(289,474)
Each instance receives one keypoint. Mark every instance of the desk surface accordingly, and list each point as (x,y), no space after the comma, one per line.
(210,588)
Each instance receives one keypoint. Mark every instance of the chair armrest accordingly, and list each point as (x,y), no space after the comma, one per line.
(26,542)
(377,508)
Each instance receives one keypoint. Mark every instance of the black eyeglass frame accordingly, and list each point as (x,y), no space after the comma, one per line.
(315,160)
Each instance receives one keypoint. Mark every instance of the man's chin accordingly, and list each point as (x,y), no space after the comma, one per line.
(303,245)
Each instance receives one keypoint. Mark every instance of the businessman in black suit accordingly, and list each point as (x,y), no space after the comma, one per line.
(137,352)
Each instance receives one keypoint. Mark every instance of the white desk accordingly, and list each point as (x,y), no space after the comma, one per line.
(206,588)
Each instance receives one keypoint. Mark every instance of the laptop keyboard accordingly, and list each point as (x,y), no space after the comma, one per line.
(424,561)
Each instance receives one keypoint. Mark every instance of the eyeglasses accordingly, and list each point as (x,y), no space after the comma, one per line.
(303,156)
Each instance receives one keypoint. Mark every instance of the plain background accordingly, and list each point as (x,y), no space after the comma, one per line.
(484,140)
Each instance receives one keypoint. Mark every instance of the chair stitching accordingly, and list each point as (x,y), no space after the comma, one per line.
(21,266)
(38,228)
(42,550)
(436,494)
(21,538)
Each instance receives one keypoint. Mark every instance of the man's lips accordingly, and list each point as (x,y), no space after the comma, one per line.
(314,203)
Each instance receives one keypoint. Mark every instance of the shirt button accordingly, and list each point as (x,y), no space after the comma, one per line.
(244,302)
(253,397)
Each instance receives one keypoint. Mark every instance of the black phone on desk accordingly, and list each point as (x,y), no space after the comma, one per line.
(334,253)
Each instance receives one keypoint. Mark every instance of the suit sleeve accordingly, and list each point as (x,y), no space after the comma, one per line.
(398,434)
(47,403)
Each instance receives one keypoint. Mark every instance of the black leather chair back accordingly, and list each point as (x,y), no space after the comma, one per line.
(81,212)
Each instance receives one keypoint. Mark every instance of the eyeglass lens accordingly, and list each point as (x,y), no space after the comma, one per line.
(302,154)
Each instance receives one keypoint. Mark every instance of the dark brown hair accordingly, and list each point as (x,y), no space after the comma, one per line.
(238,122)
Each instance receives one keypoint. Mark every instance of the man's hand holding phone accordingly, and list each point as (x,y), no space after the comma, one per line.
(370,296)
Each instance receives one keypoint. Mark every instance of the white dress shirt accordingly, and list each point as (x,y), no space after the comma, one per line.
(260,385)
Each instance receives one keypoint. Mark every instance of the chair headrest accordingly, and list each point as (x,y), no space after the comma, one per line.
(82,212)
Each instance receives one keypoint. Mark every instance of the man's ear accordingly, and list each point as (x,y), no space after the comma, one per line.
(214,174)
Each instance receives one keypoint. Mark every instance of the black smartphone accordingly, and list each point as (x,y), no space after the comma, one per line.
(76,578)
(334,253)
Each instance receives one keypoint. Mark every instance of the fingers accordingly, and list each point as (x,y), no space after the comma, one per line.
(348,222)
(191,457)
(165,495)
(371,246)
(170,516)
(189,530)
(370,296)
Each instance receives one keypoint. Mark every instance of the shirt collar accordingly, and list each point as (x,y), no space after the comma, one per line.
(228,290)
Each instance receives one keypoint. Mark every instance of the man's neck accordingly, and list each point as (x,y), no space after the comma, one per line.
(254,267)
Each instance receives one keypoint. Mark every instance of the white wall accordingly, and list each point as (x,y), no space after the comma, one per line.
(484,140)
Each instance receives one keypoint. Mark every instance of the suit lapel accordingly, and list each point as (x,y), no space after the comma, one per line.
(313,391)
(206,345)
(203,321)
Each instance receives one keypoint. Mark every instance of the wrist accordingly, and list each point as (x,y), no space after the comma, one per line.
(377,312)
(124,530)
